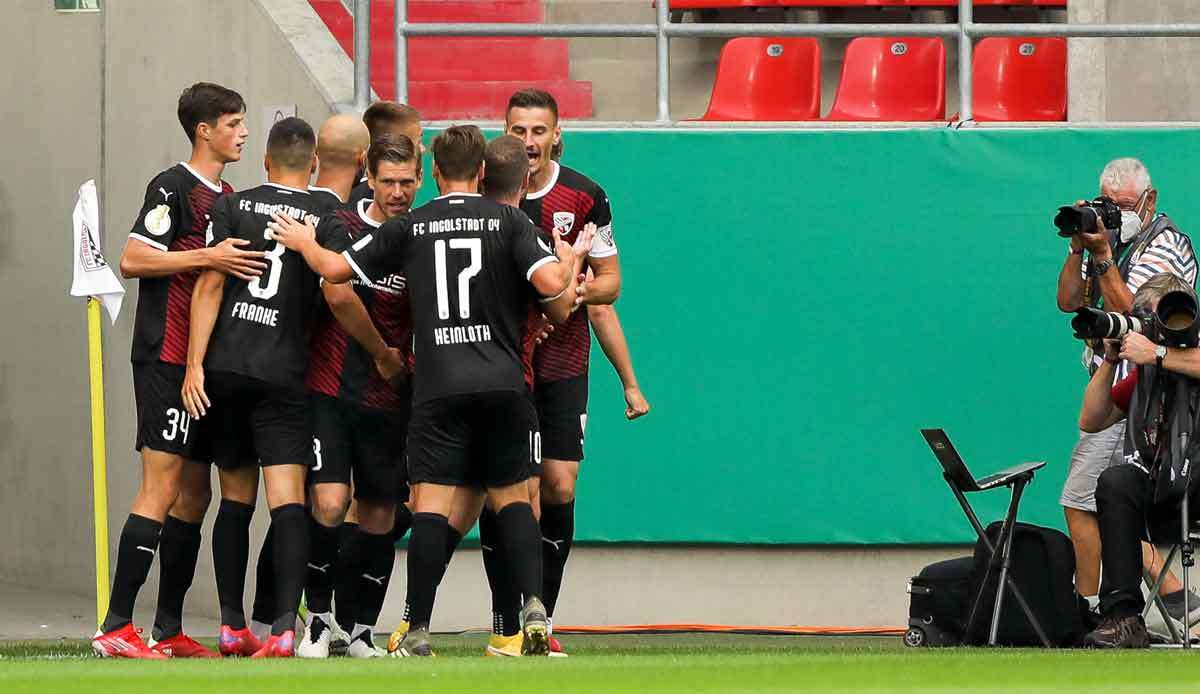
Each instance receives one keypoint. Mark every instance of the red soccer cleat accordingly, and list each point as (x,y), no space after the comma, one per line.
(556,650)
(238,642)
(281,646)
(183,646)
(125,642)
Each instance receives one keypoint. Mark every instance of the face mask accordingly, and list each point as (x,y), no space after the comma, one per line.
(1131,225)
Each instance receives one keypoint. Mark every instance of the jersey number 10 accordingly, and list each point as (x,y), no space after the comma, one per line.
(475,246)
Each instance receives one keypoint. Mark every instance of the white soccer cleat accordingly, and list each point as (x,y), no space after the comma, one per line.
(339,640)
(362,645)
(317,633)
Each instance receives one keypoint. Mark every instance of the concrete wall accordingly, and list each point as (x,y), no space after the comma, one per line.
(50,139)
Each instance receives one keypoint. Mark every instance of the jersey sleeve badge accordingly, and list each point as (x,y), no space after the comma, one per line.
(158,220)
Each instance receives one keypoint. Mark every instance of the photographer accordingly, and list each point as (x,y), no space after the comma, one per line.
(1119,261)
(1125,492)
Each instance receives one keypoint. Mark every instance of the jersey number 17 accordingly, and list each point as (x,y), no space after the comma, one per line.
(475,247)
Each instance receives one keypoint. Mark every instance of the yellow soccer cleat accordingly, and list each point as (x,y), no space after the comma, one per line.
(396,637)
(500,646)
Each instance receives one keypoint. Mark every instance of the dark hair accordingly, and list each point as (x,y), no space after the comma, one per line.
(393,148)
(532,98)
(205,102)
(505,166)
(381,116)
(291,144)
(458,152)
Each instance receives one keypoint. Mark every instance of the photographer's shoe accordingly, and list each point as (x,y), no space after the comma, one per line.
(1174,604)
(1119,632)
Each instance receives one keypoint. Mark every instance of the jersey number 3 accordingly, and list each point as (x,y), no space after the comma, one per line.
(475,246)
(267,284)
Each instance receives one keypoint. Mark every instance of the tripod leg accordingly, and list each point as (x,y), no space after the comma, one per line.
(1005,547)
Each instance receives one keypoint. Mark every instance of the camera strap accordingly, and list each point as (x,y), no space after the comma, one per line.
(1164,412)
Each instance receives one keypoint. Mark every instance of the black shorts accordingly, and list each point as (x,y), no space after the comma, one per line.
(365,441)
(562,417)
(162,422)
(252,422)
(476,439)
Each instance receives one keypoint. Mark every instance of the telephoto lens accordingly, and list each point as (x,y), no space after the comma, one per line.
(1176,316)
(1094,324)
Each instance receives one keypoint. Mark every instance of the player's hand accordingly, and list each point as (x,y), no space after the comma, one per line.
(562,249)
(229,258)
(391,364)
(1138,349)
(547,328)
(291,233)
(583,242)
(635,403)
(195,400)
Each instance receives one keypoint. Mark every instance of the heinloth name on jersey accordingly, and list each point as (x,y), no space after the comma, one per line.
(462,334)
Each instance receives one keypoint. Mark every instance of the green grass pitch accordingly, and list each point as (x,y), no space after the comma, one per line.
(678,663)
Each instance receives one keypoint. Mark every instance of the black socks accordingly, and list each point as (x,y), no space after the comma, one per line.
(506,602)
(558,531)
(378,558)
(135,554)
(322,562)
(231,551)
(426,564)
(264,580)
(347,573)
(178,549)
(522,538)
(291,560)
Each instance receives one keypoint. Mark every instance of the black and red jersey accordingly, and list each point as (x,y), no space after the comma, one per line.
(174,217)
(568,202)
(339,366)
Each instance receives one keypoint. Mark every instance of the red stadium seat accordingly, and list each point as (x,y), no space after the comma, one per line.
(1020,79)
(900,79)
(767,79)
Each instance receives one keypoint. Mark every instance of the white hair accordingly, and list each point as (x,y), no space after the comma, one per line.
(1120,172)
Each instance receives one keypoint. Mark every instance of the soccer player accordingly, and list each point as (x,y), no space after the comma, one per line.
(359,345)
(472,266)
(389,118)
(342,144)
(166,252)
(563,200)
(249,348)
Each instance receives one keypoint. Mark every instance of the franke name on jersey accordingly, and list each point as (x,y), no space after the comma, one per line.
(457,224)
(255,313)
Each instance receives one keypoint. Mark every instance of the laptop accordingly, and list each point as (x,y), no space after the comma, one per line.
(957,470)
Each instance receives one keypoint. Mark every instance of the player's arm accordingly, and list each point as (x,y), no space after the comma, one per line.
(605,284)
(557,281)
(611,337)
(302,238)
(353,316)
(206,302)
(146,251)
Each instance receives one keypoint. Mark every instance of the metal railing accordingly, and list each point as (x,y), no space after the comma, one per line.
(965,30)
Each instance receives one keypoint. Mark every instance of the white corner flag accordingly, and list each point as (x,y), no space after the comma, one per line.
(93,276)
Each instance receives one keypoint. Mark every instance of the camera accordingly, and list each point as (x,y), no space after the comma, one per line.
(1173,324)
(1081,219)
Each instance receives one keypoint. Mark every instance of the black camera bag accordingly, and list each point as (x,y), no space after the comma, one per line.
(939,598)
(1042,565)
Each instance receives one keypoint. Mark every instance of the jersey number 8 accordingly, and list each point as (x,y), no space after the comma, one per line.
(267,284)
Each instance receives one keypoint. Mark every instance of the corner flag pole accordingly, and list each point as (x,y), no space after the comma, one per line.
(99,466)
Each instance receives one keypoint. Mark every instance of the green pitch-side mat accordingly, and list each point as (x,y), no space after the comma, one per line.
(800,303)
(689,663)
